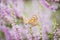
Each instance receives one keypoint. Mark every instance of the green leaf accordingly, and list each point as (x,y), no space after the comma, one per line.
(2,34)
(54,25)
(50,36)
(8,25)
(10,5)
(19,20)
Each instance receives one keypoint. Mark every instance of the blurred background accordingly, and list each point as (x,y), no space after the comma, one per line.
(29,19)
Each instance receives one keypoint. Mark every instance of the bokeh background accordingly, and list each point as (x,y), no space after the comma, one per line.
(29,19)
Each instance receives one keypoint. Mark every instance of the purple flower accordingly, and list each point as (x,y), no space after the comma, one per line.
(6,31)
(35,33)
(28,33)
(54,0)
(46,4)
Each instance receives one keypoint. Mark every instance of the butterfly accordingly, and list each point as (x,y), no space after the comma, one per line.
(33,20)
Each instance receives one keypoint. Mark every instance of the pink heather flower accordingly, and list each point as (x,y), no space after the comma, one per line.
(46,4)
(6,31)
(2,22)
(54,0)
(36,33)
(0,1)
(28,33)
(18,7)
(17,13)
(8,10)
(5,2)
(9,14)
(44,34)
(55,36)
(17,30)
(6,16)
(45,21)
(58,32)
(6,13)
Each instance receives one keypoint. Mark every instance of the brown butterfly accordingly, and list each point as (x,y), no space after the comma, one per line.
(33,20)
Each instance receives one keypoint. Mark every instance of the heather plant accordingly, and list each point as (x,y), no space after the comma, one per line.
(29,20)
